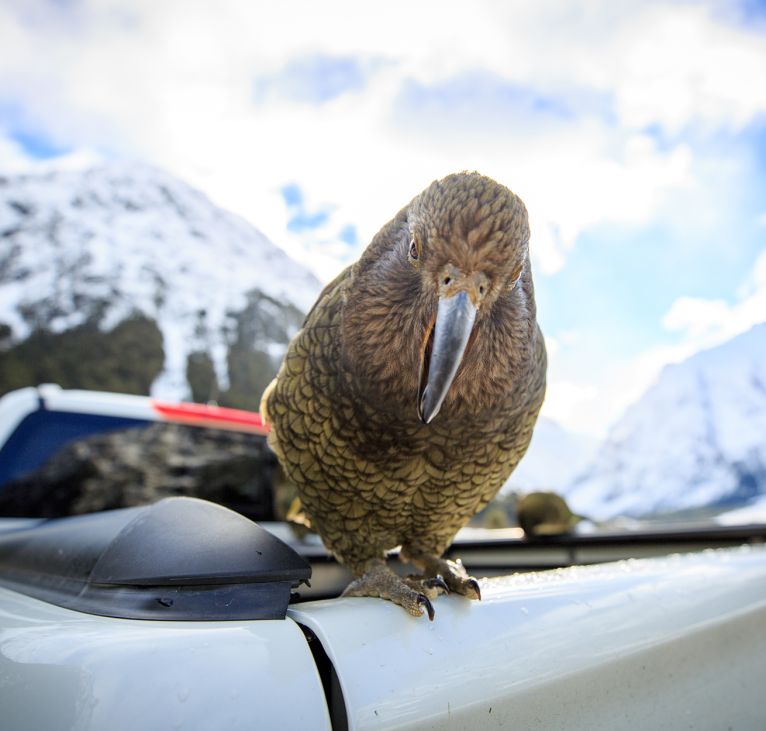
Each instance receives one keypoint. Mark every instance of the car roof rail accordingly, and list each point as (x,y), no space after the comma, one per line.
(178,559)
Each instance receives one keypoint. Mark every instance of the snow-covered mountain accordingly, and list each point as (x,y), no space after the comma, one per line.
(555,456)
(96,248)
(696,438)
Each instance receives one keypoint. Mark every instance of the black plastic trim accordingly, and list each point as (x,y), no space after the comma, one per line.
(180,559)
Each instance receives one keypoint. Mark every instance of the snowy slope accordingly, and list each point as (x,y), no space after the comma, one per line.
(119,239)
(555,456)
(697,437)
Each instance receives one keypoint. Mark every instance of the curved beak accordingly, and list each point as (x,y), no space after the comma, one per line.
(454,321)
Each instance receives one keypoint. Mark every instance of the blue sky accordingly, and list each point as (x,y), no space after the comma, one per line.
(634,132)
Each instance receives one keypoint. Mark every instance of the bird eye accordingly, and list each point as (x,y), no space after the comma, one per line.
(414,253)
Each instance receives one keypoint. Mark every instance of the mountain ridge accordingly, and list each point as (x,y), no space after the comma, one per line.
(87,251)
(694,439)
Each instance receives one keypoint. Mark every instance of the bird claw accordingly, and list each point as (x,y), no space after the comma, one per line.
(464,585)
(437,583)
(473,586)
(431,586)
(425,602)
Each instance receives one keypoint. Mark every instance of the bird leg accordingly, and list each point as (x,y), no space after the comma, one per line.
(379,580)
(453,573)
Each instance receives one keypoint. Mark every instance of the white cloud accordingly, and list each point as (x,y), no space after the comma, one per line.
(12,157)
(708,322)
(571,405)
(696,316)
(680,65)
(551,345)
(174,82)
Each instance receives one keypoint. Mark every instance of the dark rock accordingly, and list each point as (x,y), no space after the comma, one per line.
(260,335)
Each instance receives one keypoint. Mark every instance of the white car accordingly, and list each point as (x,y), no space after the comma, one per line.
(184,614)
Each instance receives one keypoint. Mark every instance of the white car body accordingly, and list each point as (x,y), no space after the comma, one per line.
(672,642)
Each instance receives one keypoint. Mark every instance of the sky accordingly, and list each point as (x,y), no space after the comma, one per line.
(635,132)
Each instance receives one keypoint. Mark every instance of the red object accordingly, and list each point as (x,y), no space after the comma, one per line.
(211,416)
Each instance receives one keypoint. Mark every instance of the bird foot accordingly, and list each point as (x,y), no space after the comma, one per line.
(459,581)
(452,573)
(380,581)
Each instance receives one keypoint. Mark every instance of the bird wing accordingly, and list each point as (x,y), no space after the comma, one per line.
(328,292)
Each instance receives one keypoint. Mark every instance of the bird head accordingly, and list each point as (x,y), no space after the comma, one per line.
(434,284)
(468,244)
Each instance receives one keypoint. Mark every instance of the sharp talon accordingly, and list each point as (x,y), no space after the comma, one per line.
(425,602)
(438,582)
(474,585)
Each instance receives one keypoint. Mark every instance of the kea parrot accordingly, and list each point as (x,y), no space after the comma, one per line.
(411,392)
